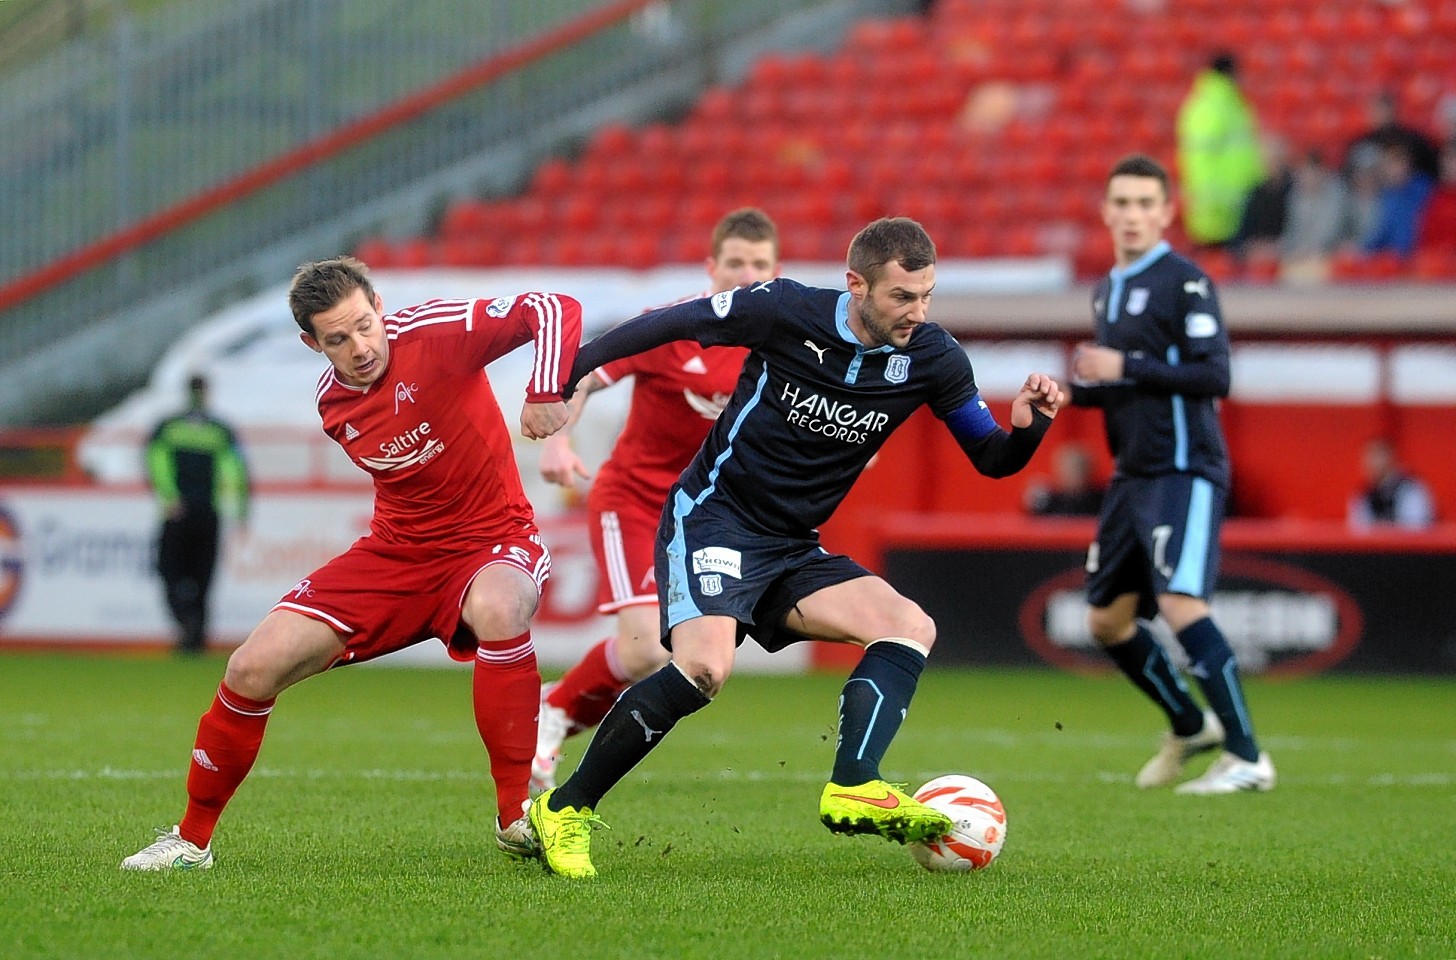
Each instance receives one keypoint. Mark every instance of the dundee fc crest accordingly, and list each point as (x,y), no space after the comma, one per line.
(711,584)
(897,369)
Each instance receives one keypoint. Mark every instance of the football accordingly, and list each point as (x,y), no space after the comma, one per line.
(979,830)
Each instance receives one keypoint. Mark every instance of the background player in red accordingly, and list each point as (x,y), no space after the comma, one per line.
(679,390)
(452,550)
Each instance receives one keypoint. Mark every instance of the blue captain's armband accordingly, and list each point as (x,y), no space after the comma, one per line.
(972,420)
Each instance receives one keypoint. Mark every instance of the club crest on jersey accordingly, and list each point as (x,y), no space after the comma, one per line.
(404,393)
(1137,301)
(722,303)
(897,368)
(711,584)
(500,306)
(720,560)
(1200,325)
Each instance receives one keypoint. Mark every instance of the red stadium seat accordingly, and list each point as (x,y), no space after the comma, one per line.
(414,253)
(551,178)
(465,218)
(376,252)
(886,125)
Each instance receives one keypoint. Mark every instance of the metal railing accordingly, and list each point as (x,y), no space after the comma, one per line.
(111,131)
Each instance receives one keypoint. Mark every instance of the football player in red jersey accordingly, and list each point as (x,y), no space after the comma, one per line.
(679,390)
(452,550)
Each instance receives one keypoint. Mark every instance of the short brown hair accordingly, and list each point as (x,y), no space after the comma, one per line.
(323,284)
(1142,165)
(746,223)
(890,239)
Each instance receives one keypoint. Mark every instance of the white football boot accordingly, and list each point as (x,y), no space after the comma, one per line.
(170,852)
(1232,774)
(517,841)
(1167,764)
(553,726)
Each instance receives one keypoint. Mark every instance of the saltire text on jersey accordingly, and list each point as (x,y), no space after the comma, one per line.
(430,432)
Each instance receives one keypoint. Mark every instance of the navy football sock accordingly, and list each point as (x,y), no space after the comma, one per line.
(1147,665)
(1213,664)
(872,707)
(638,721)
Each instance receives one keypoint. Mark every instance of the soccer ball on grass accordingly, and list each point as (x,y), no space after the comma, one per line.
(978,831)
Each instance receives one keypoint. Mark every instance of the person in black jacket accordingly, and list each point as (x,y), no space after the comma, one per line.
(194,465)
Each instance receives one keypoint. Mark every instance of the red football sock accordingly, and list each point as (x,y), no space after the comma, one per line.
(589,689)
(507,689)
(228,738)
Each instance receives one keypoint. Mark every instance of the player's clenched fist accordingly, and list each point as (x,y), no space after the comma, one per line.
(1040,392)
(541,420)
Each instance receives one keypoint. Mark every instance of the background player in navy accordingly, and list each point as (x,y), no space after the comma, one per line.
(1160,363)
(830,375)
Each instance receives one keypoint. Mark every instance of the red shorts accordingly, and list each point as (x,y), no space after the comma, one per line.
(623,542)
(383,597)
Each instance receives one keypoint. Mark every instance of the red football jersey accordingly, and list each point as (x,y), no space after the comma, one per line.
(429,430)
(679,391)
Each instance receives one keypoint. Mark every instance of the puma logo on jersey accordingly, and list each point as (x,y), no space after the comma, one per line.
(818,350)
(1199,286)
(695,365)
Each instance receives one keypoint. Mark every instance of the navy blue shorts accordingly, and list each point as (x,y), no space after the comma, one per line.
(710,565)
(1156,535)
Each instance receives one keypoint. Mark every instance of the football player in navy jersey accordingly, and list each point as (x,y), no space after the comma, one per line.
(830,374)
(1157,369)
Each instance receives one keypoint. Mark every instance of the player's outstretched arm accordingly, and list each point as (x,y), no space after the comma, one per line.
(711,321)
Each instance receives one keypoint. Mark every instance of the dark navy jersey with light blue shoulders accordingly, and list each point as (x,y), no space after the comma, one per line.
(813,403)
(1162,312)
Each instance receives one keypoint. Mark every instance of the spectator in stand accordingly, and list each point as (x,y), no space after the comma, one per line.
(1438,227)
(1266,210)
(1392,496)
(1386,129)
(1074,491)
(1364,185)
(1321,215)
(1404,193)
(1218,153)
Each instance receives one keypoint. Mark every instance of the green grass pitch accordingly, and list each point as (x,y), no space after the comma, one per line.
(365,830)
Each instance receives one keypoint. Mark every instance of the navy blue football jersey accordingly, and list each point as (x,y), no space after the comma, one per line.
(1162,312)
(812,405)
